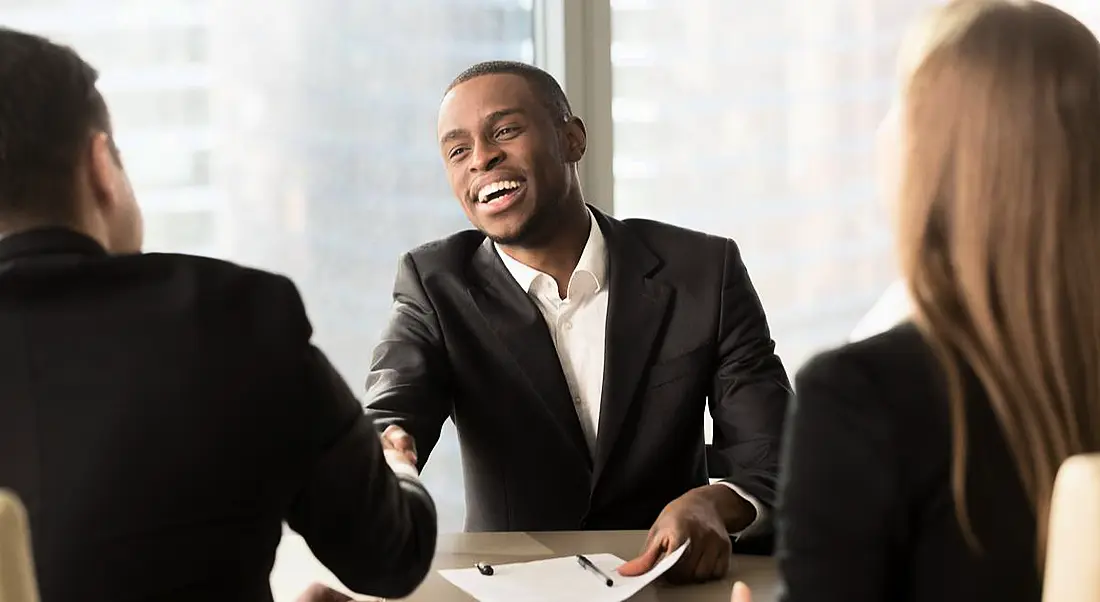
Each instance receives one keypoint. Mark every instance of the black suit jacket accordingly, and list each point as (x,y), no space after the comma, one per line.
(162,415)
(866,511)
(684,324)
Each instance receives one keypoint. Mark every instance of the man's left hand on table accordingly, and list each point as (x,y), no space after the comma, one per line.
(318,592)
(705,516)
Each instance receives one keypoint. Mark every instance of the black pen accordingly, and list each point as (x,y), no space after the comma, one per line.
(587,565)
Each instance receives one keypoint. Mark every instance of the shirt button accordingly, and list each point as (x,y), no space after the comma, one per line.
(567,325)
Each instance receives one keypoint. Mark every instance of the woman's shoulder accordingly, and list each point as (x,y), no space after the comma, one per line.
(895,353)
(891,378)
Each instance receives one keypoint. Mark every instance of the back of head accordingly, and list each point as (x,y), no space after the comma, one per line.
(48,111)
(999,223)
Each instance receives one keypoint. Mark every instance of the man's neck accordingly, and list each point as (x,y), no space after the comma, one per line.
(559,255)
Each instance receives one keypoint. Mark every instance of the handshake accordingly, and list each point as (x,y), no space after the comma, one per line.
(400,450)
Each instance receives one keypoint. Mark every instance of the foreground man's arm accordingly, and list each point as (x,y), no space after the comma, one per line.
(362,510)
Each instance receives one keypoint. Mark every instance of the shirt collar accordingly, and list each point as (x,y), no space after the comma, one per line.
(48,241)
(593,260)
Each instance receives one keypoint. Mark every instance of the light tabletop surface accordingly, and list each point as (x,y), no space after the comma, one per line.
(295,566)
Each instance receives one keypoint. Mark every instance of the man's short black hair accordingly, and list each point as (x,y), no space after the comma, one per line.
(542,83)
(49,107)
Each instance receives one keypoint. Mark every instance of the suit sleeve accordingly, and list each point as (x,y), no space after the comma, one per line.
(750,392)
(839,489)
(375,530)
(410,377)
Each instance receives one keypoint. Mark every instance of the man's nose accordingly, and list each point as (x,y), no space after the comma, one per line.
(486,157)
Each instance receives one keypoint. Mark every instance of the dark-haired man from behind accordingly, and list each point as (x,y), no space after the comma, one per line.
(161,415)
(576,353)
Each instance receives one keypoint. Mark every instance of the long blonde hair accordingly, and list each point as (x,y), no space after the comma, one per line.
(999,226)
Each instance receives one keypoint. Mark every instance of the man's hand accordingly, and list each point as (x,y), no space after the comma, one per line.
(322,593)
(741,593)
(399,445)
(704,515)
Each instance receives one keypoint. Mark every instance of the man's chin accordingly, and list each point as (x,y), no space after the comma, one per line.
(507,240)
(526,229)
(509,235)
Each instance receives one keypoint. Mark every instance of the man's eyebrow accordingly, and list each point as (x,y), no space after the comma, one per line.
(490,118)
(502,113)
(451,135)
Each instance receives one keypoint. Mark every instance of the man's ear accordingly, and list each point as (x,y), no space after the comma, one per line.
(576,139)
(103,168)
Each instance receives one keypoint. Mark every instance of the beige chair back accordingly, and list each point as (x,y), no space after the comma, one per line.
(17,581)
(1073,544)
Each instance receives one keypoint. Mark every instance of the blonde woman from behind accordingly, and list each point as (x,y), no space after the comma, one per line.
(919,462)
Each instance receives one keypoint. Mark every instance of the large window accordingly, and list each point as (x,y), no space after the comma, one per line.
(762,129)
(293,135)
(299,136)
(756,120)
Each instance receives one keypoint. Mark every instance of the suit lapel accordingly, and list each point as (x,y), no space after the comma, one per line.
(636,312)
(517,322)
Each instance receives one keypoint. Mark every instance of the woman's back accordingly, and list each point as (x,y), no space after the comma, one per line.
(867,510)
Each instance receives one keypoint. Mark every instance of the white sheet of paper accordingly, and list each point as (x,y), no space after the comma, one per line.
(556,580)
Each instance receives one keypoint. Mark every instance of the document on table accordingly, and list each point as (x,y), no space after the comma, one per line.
(557,579)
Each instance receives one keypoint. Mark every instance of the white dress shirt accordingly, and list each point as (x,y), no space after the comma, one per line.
(891,309)
(577,325)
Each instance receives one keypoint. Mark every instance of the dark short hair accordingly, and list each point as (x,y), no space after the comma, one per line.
(49,106)
(542,83)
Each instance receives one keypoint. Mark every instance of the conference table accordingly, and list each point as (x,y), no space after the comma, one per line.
(295,567)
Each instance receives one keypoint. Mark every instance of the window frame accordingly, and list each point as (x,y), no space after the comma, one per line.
(572,41)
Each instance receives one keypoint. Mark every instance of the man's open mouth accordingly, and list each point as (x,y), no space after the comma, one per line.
(497,190)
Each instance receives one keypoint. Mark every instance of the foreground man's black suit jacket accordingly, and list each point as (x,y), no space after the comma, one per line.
(684,324)
(162,415)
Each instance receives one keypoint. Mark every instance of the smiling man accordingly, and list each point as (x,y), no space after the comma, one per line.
(575,352)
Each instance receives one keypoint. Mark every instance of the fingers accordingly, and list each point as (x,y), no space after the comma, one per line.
(741,593)
(401,463)
(321,593)
(684,570)
(709,560)
(400,440)
(713,564)
(722,559)
(706,558)
(643,563)
(723,566)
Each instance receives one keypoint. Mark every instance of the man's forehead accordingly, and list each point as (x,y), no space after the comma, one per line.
(481,96)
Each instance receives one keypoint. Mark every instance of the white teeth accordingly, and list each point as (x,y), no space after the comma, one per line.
(495,187)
